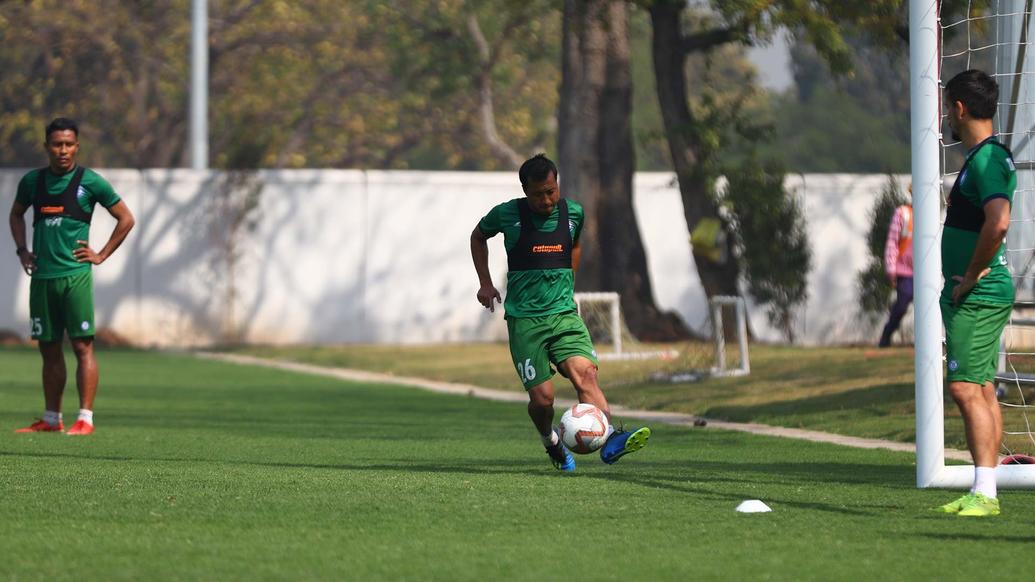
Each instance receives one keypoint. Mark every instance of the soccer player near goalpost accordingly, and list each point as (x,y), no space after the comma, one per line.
(541,236)
(978,296)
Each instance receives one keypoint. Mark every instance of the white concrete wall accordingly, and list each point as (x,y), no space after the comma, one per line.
(352,256)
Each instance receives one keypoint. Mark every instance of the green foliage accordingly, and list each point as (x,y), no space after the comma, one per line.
(872,281)
(119,70)
(819,23)
(841,123)
(831,132)
(772,239)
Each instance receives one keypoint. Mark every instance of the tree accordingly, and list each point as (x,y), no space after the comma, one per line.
(694,135)
(321,83)
(760,209)
(856,122)
(485,70)
(103,68)
(597,160)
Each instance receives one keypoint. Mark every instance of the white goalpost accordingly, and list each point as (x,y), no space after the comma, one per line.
(718,329)
(602,313)
(1004,23)
(609,310)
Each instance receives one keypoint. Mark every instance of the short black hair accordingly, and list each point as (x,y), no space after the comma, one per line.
(536,169)
(976,90)
(60,124)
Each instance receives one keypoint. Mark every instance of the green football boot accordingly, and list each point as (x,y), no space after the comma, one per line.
(955,506)
(980,506)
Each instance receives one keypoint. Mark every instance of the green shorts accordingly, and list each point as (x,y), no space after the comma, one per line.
(61,304)
(972,333)
(537,342)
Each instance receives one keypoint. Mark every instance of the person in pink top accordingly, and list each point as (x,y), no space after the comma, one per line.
(898,264)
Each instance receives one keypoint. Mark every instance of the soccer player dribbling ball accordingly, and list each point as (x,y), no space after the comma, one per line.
(541,237)
(978,296)
(62,197)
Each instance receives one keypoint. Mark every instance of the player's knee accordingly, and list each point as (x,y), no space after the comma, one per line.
(965,392)
(50,350)
(586,377)
(82,348)
(540,398)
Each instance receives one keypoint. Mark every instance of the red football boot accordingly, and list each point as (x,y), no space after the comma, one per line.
(42,426)
(81,427)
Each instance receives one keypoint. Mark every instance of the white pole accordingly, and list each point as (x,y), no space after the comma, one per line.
(616,323)
(745,365)
(199,86)
(925,122)
(720,336)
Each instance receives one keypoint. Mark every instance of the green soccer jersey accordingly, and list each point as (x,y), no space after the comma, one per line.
(988,173)
(54,239)
(534,293)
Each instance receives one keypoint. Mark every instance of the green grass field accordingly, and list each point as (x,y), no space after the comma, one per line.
(861,392)
(204,470)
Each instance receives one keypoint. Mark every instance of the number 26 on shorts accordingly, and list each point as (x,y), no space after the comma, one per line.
(526,371)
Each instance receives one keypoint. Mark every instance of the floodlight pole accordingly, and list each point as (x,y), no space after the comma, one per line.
(199,85)
(925,121)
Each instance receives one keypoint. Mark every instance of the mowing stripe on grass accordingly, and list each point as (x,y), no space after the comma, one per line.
(674,418)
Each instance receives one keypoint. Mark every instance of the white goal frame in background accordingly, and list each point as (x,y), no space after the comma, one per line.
(924,66)
(740,309)
(618,351)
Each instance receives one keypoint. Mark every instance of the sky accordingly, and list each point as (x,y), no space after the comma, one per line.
(774,63)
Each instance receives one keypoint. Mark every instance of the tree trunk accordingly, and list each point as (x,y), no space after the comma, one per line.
(583,67)
(690,157)
(487,112)
(597,162)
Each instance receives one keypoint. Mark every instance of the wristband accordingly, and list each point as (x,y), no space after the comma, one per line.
(19,250)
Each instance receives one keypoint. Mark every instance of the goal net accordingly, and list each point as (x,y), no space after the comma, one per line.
(991,35)
(725,353)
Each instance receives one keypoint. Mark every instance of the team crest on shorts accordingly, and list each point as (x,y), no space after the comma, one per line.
(85,325)
(953,365)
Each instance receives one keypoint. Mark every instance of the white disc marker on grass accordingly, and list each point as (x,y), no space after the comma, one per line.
(753,506)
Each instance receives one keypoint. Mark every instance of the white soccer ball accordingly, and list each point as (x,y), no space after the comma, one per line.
(584,428)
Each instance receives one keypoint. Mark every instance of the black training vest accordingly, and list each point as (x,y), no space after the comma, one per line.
(65,204)
(537,250)
(962,213)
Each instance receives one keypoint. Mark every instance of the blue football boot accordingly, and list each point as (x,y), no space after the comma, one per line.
(561,458)
(622,443)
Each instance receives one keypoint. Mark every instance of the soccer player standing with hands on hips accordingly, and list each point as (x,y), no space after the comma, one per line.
(541,236)
(978,296)
(62,197)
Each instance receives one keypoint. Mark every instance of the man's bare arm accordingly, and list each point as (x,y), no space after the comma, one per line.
(487,293)
(17,222)
(124,223)
(997,223)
